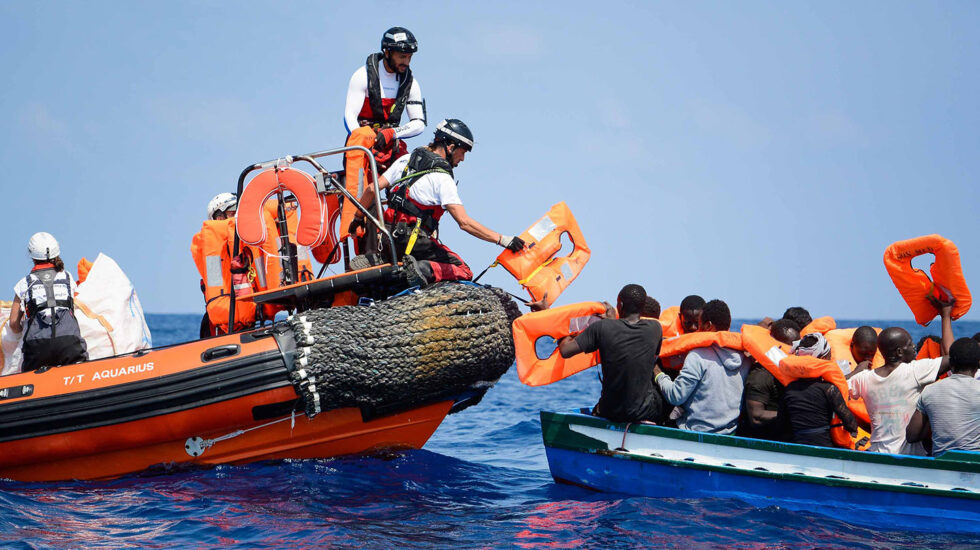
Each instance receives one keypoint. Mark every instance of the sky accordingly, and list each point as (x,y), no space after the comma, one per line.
(764,153)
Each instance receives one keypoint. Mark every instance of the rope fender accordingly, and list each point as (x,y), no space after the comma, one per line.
(405,351)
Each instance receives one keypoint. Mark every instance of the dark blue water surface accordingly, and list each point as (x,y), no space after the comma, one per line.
(481,481)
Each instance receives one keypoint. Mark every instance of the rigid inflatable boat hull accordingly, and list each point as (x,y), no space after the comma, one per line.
(215,401)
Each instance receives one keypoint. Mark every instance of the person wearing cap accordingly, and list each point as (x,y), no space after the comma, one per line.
(809,404)
(46,297)
(382,90)
(420,188)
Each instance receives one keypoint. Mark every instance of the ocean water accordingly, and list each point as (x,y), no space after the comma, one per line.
(481,481)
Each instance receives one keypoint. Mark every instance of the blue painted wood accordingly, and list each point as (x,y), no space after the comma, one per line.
(619,474)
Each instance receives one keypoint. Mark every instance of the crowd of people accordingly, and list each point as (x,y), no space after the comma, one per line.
(914,407)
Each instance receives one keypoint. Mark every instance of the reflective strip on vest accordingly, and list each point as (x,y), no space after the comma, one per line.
(776,355)
(578,324)
(542,228)
(213,266)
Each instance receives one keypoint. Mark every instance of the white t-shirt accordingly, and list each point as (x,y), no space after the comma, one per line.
(435,189)
(891,402)
(357,91)
(41,295)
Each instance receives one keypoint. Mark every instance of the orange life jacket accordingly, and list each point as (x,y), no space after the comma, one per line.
(821,325)
(556,323)
(328,252)
(670,321)
(309,230)
(84,266)
(674,349)
(915,285)
(931,349)
(357,173)
(773,355)
(211,249)
(840,347)
(536,268)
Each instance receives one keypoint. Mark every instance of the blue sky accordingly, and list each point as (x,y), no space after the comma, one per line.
(764,153)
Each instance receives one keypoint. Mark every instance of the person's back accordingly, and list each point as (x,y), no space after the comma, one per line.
(629,347)
(952,405)
(709,385)
(810,404)
(629,352)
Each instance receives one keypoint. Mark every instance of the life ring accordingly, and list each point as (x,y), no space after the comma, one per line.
(555,323)
(250,220)
(916,286)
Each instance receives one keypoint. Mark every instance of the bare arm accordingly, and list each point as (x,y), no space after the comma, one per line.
(16,316)
(919,428)
(471,226)
(840,408)
(945,313)
(568,347)
(367,198)
(758,415)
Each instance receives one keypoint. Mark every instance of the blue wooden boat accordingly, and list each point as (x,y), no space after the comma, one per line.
(870,489)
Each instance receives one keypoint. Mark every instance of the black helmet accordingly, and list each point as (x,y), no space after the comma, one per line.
(399,39)
(452,130)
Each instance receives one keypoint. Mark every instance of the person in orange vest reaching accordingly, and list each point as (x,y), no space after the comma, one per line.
(382,90)
(420,188)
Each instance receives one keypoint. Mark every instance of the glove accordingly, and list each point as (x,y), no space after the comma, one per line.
(384,140)
(514,244)
(356,227)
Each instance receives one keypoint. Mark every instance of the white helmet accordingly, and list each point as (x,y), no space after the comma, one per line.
(220,203)
(43,246)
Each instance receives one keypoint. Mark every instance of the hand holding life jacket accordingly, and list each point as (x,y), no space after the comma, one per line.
(553,324)
(536,268)
(915,285)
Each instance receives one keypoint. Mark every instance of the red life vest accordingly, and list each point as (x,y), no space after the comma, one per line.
(383,112)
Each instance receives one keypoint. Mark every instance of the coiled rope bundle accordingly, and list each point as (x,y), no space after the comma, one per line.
(404,351)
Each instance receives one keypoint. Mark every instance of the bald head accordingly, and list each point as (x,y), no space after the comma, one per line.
(896,345)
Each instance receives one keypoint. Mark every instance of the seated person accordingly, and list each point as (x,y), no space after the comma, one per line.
(949,410)
(690,314)
(629,347)
(709,385)
(809,404)
(651,308)
(798,315)
(763,394)
(891,391)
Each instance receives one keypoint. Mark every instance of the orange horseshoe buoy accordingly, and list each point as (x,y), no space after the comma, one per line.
(916,286)
(250,223)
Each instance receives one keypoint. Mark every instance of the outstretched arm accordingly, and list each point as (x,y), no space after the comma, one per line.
(945,313)
(471,226)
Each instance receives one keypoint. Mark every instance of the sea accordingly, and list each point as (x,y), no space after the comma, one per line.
(482,481)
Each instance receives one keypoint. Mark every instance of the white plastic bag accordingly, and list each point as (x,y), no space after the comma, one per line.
(12,355)
(109,313)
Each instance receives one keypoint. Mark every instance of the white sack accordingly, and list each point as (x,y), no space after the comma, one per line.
(109,312)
